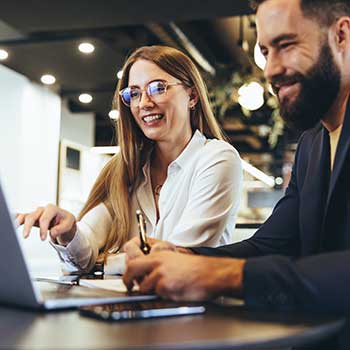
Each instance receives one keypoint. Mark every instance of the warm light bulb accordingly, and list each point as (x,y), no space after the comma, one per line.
(278,181)
(48,79)
(114,114)
(120,74)
(251,96)
(3,55)
(86,48)
(85,98)
(259,58)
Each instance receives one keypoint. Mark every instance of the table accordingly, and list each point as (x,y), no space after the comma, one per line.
(232,327)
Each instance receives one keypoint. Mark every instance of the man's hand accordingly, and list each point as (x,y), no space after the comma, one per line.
(185,277)
(132,247)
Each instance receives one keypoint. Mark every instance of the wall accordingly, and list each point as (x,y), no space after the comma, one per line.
(77,127)
(29,141)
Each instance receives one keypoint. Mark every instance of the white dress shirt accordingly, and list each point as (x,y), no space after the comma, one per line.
(198,205)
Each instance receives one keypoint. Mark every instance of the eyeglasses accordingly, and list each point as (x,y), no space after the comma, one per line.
(155,90)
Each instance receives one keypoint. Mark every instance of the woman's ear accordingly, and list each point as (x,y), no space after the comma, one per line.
(193,98)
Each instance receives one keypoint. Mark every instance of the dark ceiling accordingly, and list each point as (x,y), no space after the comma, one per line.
(42,36)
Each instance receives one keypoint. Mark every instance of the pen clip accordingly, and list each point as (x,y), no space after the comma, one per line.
(145,247)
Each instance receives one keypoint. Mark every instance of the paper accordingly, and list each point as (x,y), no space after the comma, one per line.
(116,285)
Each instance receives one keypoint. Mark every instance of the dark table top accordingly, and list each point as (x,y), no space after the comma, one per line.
(231,327)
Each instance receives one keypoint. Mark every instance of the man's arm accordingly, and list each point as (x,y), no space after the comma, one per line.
(270,282)
(315,283)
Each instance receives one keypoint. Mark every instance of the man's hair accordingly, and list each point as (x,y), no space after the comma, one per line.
(325,12)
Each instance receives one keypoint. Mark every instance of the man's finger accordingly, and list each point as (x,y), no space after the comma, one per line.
(132,249)
(163,245)
(138,268)
(149,282)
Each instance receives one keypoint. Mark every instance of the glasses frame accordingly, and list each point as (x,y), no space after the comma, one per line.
(167,84)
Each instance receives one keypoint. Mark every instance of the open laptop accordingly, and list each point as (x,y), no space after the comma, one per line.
(18,288)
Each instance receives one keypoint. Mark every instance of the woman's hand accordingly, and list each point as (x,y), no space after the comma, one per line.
(60,223)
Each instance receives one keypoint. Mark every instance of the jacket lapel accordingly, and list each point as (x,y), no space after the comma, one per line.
(314,192)
(340,156)
(331,236)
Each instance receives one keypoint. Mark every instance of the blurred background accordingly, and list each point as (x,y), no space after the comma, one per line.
(60,62)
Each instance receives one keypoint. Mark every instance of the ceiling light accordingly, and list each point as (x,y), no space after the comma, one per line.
(259,58)
(48,79)
(86,48)
(85,98)
(114,114)
(120,74)
(251,96)
(3,55)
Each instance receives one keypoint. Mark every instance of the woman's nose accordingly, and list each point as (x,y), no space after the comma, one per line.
(145,100)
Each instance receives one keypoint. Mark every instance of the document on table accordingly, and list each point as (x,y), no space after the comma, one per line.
(116,285)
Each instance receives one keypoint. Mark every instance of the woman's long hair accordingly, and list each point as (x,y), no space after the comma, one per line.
(120,177)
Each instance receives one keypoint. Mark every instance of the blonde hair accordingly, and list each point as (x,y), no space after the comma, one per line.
(120,177)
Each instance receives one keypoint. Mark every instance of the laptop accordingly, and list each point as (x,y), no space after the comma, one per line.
(17,287)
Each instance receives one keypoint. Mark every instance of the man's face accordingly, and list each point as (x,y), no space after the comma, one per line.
(300,63)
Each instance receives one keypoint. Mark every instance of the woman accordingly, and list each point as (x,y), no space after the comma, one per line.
(173,165)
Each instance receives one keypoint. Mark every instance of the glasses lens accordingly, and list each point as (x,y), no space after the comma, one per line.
(130,95)
(126,96)
(156,88)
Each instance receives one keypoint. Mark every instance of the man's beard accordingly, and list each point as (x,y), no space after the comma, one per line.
(319,88)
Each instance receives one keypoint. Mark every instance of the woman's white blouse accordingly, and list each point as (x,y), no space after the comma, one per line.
(198,205)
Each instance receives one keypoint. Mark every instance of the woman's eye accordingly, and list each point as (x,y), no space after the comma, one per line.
(156,88)
(134,93)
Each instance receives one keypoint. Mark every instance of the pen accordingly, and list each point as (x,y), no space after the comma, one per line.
(145,247)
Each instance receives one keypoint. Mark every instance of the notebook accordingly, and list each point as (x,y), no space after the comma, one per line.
(18,287)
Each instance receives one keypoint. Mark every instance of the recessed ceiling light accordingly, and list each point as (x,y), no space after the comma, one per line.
(85,98)
(114,114)
(86,48)
(120,74)
(48,79)
(3,54)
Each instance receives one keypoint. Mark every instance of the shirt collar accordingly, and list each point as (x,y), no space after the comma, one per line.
(197,141)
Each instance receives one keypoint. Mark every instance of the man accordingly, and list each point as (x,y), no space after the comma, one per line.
(300,258)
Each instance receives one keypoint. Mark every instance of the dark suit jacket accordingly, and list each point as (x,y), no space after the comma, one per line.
(300,257)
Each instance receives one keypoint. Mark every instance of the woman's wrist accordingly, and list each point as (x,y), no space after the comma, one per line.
(67,237)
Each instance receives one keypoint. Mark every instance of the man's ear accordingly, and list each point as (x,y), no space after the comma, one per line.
(342,34)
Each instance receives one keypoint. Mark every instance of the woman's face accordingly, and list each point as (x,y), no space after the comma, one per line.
(164,117)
